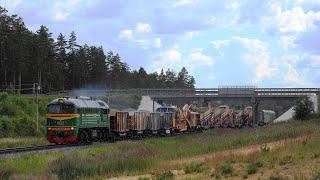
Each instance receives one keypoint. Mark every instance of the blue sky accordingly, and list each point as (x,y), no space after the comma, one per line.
(221,42)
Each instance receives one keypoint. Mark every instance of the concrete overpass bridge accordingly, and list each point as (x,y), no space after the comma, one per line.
(227,91)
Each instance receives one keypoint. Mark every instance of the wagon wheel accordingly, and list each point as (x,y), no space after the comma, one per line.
(82,136)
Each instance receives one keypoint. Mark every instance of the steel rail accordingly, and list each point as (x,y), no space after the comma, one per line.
(36,148)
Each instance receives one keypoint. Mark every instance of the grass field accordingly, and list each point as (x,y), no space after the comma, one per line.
(219,153)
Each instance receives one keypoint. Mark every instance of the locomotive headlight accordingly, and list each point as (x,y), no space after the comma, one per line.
(49,128)
(72,128)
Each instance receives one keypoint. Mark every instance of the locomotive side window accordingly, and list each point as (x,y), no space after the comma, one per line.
(105,111)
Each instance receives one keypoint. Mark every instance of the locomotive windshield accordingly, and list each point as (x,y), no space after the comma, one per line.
(60,109)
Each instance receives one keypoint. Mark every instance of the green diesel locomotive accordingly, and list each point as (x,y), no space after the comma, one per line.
(80,119)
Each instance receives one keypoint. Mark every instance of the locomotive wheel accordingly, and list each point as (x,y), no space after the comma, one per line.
(82,136)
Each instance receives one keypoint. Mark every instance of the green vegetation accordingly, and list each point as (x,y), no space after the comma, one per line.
(303,108)
(195,168)
(18,115)
(22,142)
(253,166)
(151,156)
(227,169)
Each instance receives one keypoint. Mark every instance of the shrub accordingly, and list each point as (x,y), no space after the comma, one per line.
(227,169)
(166,175)
(253,167)
(195,168)
(6,127)
(3,96)
(303,108)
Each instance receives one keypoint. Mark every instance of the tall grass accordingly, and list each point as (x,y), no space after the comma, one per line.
(18,114)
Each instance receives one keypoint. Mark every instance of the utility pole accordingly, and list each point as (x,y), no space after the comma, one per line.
(37,88)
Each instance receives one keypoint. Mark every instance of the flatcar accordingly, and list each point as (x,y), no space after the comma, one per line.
(80,119)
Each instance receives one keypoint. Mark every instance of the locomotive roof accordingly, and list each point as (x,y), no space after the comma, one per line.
(82,102)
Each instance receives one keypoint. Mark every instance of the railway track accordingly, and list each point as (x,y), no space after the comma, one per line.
(36,148)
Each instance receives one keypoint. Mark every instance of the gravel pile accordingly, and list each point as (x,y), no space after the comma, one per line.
(146,104)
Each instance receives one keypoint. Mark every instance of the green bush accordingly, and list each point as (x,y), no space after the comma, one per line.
(253,167)
(195,168)
(227,169)
(303,108)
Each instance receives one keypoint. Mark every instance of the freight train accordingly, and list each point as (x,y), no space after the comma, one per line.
(84,120)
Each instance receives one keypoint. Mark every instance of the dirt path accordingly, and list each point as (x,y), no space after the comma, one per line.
(234,152)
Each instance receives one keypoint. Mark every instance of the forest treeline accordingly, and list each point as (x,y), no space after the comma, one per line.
(28,57)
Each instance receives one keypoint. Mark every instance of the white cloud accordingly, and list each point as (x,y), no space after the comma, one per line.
(191,34)
(294,20)
(11,3)
(220,43)
(142,40)
(211,21)
(177,3)
(291,59)
(60,16)
(288,42)
(157,42)
(143,28)
(259,58)
(126,34)
(212,78)
(292,76)
(314,61)
(173,59)
(200,59)
(232,5)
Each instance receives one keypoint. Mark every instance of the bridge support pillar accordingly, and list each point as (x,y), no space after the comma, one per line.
(254,104)
(318,102)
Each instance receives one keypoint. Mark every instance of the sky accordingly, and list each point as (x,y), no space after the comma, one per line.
(263,43)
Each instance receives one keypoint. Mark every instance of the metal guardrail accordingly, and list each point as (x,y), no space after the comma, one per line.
(212,92)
